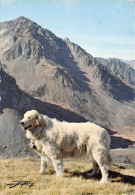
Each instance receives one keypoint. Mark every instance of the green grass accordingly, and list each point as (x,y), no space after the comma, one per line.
(74,181)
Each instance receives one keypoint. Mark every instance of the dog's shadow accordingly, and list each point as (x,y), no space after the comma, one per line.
(113,175)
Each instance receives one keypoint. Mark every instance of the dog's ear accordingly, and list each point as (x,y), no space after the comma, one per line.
(41,121)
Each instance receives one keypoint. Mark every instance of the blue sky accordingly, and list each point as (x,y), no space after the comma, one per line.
(104,28)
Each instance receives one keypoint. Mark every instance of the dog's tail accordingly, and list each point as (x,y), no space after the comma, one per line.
(109,158)
(107,151)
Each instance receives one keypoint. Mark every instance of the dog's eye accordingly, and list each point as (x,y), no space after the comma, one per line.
(29,117)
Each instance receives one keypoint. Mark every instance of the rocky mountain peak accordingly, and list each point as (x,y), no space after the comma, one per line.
(20,22)
(67,40)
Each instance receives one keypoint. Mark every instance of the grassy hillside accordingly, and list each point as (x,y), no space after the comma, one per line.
(74,181)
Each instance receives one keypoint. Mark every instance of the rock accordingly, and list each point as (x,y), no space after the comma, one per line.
(12,139)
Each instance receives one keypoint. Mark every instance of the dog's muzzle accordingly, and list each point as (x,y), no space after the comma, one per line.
(25,128)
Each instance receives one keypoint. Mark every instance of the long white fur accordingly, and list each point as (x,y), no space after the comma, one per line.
(54,140)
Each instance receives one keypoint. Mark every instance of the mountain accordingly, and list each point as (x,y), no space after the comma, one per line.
(121,69)
(130,62)
(58,78)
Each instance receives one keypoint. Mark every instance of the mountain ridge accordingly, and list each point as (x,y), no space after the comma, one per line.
(46,68)
(120,69)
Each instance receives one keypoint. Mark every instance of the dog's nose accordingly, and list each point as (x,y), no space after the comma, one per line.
(21,123)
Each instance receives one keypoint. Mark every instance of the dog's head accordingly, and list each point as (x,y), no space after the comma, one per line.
(31,120)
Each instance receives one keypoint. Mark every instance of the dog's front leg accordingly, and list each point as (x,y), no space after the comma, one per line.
(58,165)
(44,164)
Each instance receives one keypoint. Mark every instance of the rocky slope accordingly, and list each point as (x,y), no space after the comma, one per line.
(58,78)
(130,62)
(121,69)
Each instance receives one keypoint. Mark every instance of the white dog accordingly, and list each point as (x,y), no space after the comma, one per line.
(53,140)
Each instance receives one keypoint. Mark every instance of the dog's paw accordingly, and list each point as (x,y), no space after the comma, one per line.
(59,174)
(104,180)
(41,171)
